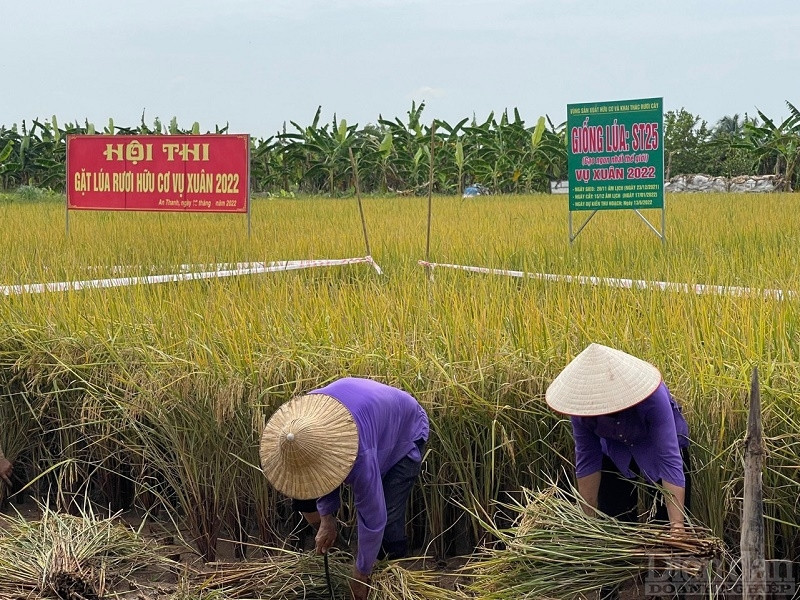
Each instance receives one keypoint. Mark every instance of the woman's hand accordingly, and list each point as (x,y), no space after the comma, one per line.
(675,496)
(326,534)
(588,488)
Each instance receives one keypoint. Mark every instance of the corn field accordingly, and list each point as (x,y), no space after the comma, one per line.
(501,152)
(153,396)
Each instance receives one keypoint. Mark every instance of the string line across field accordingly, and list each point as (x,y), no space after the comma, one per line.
(221,270)
(641,284)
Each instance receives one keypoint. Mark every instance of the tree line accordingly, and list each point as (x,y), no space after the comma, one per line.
(502,153)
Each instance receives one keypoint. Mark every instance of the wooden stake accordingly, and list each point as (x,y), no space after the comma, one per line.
(754,571)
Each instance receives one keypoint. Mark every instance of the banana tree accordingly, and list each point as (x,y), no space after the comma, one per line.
(781,142)
(331,152)
(500,152)
(376,160)
(451,161)
(8,139)
(411,143)
(548,154)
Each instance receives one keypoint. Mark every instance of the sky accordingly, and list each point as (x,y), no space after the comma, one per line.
(259,65)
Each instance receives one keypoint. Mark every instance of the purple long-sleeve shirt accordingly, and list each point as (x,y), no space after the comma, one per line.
(389,421)
(651,432)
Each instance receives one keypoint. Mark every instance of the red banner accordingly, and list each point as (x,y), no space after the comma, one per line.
(194,173)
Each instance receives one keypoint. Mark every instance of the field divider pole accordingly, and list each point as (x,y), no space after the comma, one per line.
(429,269)
(358,197)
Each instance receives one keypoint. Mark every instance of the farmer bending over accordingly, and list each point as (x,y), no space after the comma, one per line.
(625,425)
(365,434)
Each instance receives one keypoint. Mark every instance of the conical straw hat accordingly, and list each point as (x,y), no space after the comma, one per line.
(600,381)
(308,446)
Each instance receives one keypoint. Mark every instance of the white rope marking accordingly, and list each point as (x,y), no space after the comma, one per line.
(227,270)
(639,284)
(187,267)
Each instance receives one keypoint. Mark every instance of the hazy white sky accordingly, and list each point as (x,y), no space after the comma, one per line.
(259,63)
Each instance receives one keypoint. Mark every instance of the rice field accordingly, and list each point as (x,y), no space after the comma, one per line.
(153,396)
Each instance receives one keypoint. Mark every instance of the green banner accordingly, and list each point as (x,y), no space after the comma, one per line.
(615,154)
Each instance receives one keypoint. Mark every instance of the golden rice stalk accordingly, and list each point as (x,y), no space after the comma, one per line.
(283,575)
(287,575)
(395,582)
(555,550)
(65,556)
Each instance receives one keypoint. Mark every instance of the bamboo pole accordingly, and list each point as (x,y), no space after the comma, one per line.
(752,541)
(358,196)
(430,206)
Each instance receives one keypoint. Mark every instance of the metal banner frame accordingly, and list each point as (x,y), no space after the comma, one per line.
(615,159)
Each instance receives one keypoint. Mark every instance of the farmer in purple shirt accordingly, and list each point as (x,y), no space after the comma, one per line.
(365,434)
(625,424)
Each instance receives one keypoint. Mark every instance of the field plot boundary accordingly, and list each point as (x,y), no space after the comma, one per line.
(640,284)
(221,270)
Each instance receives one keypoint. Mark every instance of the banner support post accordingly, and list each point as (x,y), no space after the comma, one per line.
(572,238)
(249,195)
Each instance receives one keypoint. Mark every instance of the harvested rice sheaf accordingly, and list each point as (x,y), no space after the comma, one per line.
(293,576)
(283,575)
(555,550)
(69,557)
